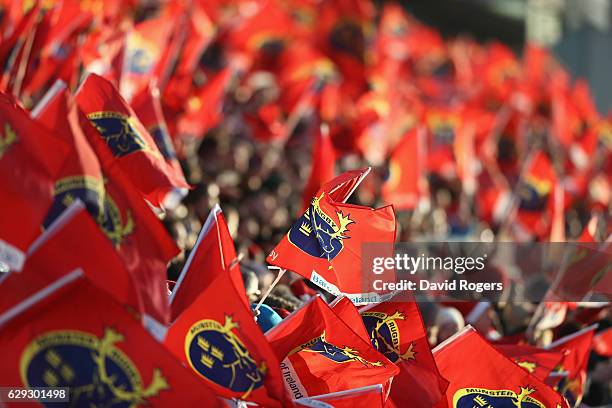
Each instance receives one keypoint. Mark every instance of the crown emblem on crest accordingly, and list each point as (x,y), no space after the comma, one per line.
(8,139)
(389,344)
(480,401)
(306,228)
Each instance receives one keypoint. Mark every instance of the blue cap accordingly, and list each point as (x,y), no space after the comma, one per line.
(267,317)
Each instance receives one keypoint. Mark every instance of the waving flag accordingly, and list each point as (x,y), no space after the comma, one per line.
(62,246)
(213,254)
(123,139)
(322,165)
(404,184)
(371,396)
(148,107)
(577,348)
(602,343)
(538,362)
(491,378)
(218,338)
(536,191)
(324,244)
(396,329)
(51,340)
(322,354)
(81,176)
(30,159)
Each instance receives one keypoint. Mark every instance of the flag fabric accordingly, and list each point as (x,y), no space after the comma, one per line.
(122,139)
(577,347)
(81,176)
(217,337)
(403,185)
(396,329)
(204,108)
(147,106)
(30,159)
(51,340)
(370,396)
(325,243)
(62,246)
(491,378)
(320,353)
(602,343)
(213,254)
(323,163)
(536,361)
(111,199)
(536,191)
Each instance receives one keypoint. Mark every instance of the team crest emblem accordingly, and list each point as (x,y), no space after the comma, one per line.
(443,128)
(481,397)
(534,193)
(385,335)
(162,141)
(97,372)
(215,352)
(7,139)
(90,190)
(112,223)
(334,353)
(142,55)
(118,132)
(318,234)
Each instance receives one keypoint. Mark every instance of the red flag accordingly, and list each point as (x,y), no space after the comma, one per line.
(403,185)
(322,354)
(204,109)
(602,343)
(127,141)
(144,49)
(479,374)
(218,338)
(212,254)
(396,330)
(62,246)
(537,361)
(148,107)
(325,243)
(30,158)
(81,176)
(577,347)
(371,396)
(51,340)
(322,165)
(536,190)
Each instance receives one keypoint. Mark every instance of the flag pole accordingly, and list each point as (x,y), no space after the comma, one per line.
(281,272)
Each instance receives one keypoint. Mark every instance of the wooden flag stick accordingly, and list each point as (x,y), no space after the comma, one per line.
(281,272)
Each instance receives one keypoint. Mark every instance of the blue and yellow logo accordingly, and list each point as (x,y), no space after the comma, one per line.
(119,133)
(97,372)
(481,397)
(214,351)
(334,353)
(90,190)
(385,335)
(317,234)
(534,193)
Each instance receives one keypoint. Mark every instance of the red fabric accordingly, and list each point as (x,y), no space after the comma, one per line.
(396,329)
(475,369)
(405,170)
(323,162)
(30,159)
(212,255)
(217,337)
(122,139)
(538,362)
(325,353)
(325,244)
(602,343)
(56,343)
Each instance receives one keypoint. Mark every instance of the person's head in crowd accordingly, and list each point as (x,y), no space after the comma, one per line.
(448,322)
